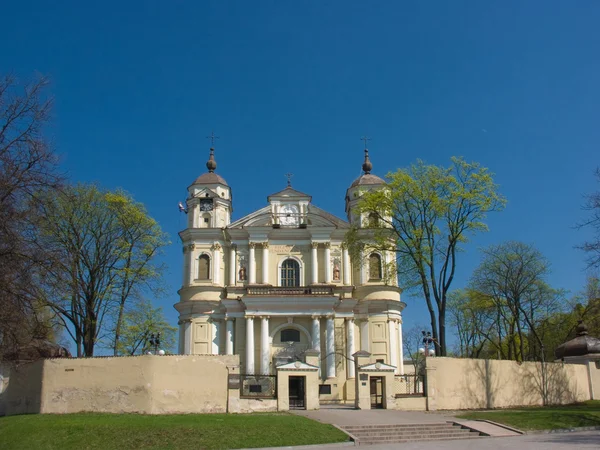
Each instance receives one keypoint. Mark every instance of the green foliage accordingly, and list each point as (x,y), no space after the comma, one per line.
(188,431)
(100,249)
(139,323)
(424,214)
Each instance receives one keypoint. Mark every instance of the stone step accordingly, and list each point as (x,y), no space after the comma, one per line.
(457,431)
(407,426)
(399,441)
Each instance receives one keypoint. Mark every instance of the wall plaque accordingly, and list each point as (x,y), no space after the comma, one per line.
(233,381)
(364,377)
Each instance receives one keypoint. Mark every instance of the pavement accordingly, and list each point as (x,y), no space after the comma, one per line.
(344,416)
(550,441)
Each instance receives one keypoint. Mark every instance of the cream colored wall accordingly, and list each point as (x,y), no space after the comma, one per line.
(143,384)
(454,383)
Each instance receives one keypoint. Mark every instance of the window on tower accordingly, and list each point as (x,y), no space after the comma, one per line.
(290,273)
(204,267)
(374,267)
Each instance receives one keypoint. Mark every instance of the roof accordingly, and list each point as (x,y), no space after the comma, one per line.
(366,179)
(583,344)
(210,178)
(289,192)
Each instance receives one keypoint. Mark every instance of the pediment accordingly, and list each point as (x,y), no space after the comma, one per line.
(316,217)
(297,365)
(205,193)
(377,367)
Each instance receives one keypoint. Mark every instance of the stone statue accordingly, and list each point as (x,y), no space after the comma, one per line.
(242,273)
(336,271)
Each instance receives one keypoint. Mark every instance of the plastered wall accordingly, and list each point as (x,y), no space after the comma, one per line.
(142,384)
(454,383)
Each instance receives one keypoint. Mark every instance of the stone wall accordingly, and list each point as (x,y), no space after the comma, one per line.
(454,383)
(141,384)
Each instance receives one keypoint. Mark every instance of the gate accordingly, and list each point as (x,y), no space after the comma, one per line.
(376,392)
(297,395)
(258,386)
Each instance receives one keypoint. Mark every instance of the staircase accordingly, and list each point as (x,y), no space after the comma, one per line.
(389,434)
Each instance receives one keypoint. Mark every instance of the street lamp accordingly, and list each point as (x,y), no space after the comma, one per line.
(155,342)
(428,340)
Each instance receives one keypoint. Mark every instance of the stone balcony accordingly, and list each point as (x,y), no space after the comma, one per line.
(292,291)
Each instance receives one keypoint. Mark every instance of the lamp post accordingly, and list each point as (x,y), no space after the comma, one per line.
(428,340)
(154,341)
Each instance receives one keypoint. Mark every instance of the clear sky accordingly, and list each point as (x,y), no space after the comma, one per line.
(291,86)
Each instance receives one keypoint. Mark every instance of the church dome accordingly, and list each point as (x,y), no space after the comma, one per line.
(211,177)
(582,345)
(367,178)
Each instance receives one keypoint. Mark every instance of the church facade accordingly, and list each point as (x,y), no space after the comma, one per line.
(280,281)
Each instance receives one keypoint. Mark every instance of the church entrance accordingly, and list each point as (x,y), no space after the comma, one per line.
(376,392)
(296,387)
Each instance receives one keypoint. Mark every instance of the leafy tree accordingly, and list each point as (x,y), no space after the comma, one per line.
(138,325)
(512,277)
(101,249)
(424,214)
(592,246)
(27,167)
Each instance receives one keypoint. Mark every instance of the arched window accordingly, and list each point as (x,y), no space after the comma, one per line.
(290,273)
(204,267)
(290,335)
(374,267)
(373,220)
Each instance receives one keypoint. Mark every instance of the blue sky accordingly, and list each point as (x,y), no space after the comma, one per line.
(292,86)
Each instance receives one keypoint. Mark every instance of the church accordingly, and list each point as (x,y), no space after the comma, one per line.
(280,281)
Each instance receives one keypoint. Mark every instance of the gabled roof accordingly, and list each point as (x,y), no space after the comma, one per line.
(316,217)
(289,192)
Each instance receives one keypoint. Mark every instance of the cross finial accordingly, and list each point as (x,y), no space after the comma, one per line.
(289,178)
(365,138)
(212,138)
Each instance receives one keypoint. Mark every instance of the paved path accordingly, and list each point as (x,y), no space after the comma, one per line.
(552,441)
(346,416)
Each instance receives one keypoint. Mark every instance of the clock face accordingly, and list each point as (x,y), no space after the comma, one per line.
(206,205)
(289,215)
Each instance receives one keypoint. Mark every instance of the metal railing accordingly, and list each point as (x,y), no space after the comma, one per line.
(296,290)
(409,385)
(258,386)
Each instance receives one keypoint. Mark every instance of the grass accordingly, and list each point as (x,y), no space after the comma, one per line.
(585,414)
(132,431)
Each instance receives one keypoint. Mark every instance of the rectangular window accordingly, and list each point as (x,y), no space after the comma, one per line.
(324,389)
(256,388)
(380,361)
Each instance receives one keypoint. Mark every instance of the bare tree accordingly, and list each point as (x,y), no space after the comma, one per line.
(27,167)
(592,246)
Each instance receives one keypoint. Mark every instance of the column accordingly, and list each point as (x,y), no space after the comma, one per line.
(216,263)
(401,347)
(265,263)
(346,266)
(393,336)
(265,347)
(350,347)
(187,333)
(252,264)
(362,267)
(314,263)
(330,348)
(232,267)
(364,335)
(316,337)
(229,336)
(250,345)
(327,262)
(216,337)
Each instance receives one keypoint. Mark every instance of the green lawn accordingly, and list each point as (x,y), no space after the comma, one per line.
(585,414)
(132,431)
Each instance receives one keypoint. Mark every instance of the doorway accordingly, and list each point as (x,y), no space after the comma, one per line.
(376,392)
(297,392)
